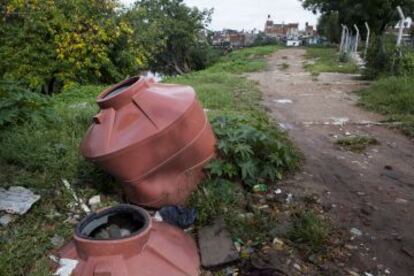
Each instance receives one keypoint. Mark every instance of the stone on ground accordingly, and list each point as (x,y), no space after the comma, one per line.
(216,245)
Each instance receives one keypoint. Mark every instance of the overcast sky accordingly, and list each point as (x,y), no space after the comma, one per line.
(250,14)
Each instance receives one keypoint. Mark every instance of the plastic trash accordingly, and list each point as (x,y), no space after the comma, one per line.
(178,216)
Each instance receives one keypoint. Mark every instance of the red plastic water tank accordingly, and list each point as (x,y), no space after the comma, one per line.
(154,137)
(149,248)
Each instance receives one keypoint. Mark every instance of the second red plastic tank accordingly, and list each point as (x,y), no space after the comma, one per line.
(154,137)
(148,248)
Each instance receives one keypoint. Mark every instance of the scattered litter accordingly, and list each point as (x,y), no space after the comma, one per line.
(158,217)
(278,244)
(347,133)
(54,259)
(283,101)
(79,105)
(368,274)
(94,202)
(260,188)
(66,267)
(356,232)
(289,198)
(206,110)
(79,201)
(178,216)
(339,121)
(17,200)
(285,126)
(263,207)
(278,191)
(5,219)
(353,273)
(401,201)
(57,241)
(297,267)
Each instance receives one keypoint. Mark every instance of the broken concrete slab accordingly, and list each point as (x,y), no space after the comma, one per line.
(17,200)
(216,245)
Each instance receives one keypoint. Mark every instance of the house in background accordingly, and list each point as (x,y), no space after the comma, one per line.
(290,33)
(233,38)
(280,31)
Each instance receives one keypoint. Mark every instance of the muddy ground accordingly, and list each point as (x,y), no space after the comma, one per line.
(373,191)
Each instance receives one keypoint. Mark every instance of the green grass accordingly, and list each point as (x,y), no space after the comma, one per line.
(245,60)
(223,91)
(357,144)
(309,230)
(393,97)
(284,66)
(37,155)
(327,60)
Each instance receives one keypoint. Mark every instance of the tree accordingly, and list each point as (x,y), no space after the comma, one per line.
(378,13)
(46,44)
(329,26)
(169,32)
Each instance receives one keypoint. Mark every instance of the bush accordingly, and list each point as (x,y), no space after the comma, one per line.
(250,150)
(19,105)
(385,59)
(394,97)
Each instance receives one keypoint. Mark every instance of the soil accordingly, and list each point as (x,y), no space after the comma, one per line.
(372,191)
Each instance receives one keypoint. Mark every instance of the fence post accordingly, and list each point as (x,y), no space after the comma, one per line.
(341,48)
(356,38)
(346,42)
(367,40)
(401,31)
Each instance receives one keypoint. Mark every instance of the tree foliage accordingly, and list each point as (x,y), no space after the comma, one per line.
(378,13)
(329,26)
(170,33)
(48,44)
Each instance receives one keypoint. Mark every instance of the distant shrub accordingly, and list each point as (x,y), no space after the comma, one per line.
(19,105)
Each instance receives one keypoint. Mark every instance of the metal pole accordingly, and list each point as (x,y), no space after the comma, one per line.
(356,38)
(367,40)
(400,34)
(346,39)
(341,48)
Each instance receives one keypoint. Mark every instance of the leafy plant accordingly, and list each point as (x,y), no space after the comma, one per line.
(251,150)
(19,105)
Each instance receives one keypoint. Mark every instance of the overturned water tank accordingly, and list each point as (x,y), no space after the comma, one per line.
(125,241)
(154,137)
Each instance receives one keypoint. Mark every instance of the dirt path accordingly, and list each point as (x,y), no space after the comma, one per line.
(372,192)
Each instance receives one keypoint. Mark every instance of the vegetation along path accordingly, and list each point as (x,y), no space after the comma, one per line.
(369,191)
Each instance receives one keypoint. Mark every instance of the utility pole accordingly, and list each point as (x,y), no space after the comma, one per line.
(367,40)
(356,38)
(401,31)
